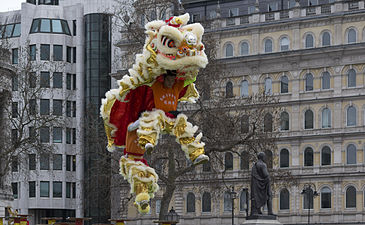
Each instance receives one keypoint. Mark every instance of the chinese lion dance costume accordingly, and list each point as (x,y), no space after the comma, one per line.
(144,105)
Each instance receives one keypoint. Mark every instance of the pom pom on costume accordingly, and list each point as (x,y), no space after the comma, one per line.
(172,48)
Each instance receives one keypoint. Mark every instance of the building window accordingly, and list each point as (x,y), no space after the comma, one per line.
(44,107)
(74,54)
(268,86)
(251,9)
(74,82)
(32,161)
(68,54)
(15,190)
(57,107)
(243,200)
(14,136)
(229,50)
(309,82)
(227,202)
(15,56)
(44,134)
(272,6)
(284,199)
(284,84)
(57,80)
(326,39)
(245,124)
(228,161)
(45,52)
(32,107)
(326,80)
(268,122)
(74,27)
(57,189)
(14,164)
(73,190)
(268,46)
(351,36)
(68,135)
(284,121)
(44,161)
(308,119)
(68,108)
(57,162)
(45,80)
(68,81)
(269,159)
(245,160)
(326,156)
(32,191)
(206,167)
(284,44)
(190,202)
(57,135)
(309,41)
(44,189)
(351,78)
(326,118)
(244,88)
(206,204)
(284,158)
(350,197)
(68,162)
(325,198)
(14,109)
(57,52)
(229,89)
(74,109)
(56,26)
(73,163)
(14,83)
(308,199)
(32,80)
(351,154)
(308,156)
(245,48)
(351,116)
(68,189)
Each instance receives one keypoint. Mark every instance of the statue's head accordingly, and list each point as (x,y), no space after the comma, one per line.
(261,156)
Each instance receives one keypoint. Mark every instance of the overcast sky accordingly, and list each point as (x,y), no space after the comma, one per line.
(7,5)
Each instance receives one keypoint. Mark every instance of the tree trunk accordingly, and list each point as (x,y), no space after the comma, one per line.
(165,202)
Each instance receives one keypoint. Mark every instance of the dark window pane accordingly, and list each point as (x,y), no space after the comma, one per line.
(32,80)
(14,109)
(45,25)
(229,50)
(326,80)
(73,163)
(35,26)
(68,135)
(73,135)
(326,156)
(284,158)
(44,162)
(68,54)
(268,86)
(32,161)
(309,42)
(351,78)
(17,30)
(228,161)
(68,189)
(73,109)
(227,202)
(284,84)
(268,46)
(57,107)
(57,135)
(44,109)
(244,48)
(308,198)
(65,27)
(15,56)
(14,136)
(31,189)
(245,123)
(325,198)
(57,80)
(57,189)
(15,190)
(244,88)
(351,116)
(309,82)
(243,200)
(351,36)
(57,52)
(32,106)
(351,154)
(284,199)
(74,28)
(268,122)
(284,121)
(351,197)
(190,202)
(68,162)
(73,190)
(68,81)
(269,159)
(14,83)
(206,204)
(44,188)
(57,162)
(308,157)
(229,89)
(68,108)
(326,39)
(308,119)
(32,52)
(45,52)
(8,30)
(74,54)
(14,164)
(245,160)
(44,134)
(56,26)
(74,82)
(45,80)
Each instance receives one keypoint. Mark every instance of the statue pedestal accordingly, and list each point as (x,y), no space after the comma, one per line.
(262,220)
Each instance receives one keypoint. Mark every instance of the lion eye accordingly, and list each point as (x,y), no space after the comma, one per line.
(168,42)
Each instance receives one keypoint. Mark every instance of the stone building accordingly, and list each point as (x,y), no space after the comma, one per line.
(309,54)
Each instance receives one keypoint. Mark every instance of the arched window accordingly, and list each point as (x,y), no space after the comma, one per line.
(326,39)
(228,161)
(309,41)
(326,156)
(284,44)
(308,156)
(244,88)
(284,199)
(268,86)
(269,159)
(351,116)
(284,84)
(245,124)
(325,198)
(229,89)
(268,45)
(190,202)
(351,154)
(351,78)
(268,122)
(309,82)
(243,200)
(351,36)
(326,80)
(245,48)
(284,158)
(227,202)
(229,50)
(350,197)
(308,119)
(284,121)
(206,204)
(308,199)
(326,118)
(245,160)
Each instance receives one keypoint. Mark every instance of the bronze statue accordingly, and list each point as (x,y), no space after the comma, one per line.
(260,186)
